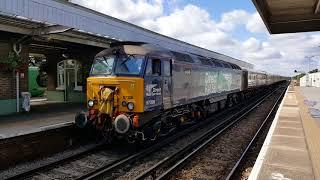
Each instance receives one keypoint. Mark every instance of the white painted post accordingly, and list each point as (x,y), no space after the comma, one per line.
(17,91)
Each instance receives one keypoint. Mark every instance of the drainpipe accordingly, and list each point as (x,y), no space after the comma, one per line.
(17,91)
(65,79)
(17,49)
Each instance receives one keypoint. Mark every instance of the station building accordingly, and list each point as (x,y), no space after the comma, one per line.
(310,80)
(8,79)
(65,63)
(67,37)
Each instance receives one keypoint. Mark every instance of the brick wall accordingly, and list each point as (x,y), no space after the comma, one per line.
(8,79)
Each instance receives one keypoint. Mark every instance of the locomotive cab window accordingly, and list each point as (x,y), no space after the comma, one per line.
(154,67)
(120,64)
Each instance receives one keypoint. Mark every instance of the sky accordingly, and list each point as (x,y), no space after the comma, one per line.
(232,27)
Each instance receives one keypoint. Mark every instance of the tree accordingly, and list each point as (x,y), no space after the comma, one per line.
(314,71)
(297,77)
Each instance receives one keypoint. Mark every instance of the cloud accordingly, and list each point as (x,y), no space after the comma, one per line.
(252,45)
(255,24)
(280,54)
(127,10)
(231,20)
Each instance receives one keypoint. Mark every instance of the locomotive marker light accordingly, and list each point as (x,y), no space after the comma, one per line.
(90,103)
(130,106)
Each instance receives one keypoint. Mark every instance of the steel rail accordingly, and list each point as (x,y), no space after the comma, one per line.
(127,160)
(29,172)
(194,145)
(55,163)
(244,153)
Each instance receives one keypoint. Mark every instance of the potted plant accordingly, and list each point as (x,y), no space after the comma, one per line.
(11,62)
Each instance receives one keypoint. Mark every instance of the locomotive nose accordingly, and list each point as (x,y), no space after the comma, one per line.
(122,124)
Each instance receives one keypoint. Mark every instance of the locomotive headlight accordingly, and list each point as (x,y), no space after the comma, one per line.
(90,103)
(130,106)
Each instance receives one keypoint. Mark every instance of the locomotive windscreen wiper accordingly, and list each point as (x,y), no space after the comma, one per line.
(102,65)
(128,58)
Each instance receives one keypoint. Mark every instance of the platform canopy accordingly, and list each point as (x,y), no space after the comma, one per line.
(56,18)
(289,16)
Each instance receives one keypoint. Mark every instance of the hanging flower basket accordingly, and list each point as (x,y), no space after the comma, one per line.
(11,62)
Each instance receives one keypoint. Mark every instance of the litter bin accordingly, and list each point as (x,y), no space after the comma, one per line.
(26,101)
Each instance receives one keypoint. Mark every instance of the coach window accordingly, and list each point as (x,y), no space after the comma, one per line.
(154,67)
(166,68)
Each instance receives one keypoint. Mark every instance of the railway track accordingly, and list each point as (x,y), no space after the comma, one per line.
(25,172)
(111,172)
(103,163)
(222,157)
(38,170)
(237,165)
(167,166)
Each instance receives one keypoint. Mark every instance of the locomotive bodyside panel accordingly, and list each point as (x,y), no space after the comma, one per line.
(196,83)
(180,83)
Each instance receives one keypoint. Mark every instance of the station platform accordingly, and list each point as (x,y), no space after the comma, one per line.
(292,147)
(41,117)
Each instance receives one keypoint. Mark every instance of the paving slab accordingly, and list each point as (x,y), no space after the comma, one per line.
(295,142)
(272,172)
(41,118)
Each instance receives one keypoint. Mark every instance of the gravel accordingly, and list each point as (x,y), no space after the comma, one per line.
(214,162)
(246,166)
(143,164)
(218,158)
(38,163)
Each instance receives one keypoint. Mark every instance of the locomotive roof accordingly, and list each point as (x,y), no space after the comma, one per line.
(141,48)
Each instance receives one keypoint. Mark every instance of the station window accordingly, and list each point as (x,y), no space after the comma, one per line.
(69,75)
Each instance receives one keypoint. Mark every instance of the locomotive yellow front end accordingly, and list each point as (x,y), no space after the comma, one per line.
(115,94)
(115,99)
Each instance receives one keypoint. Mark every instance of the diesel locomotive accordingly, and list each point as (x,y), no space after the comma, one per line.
(139,91)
